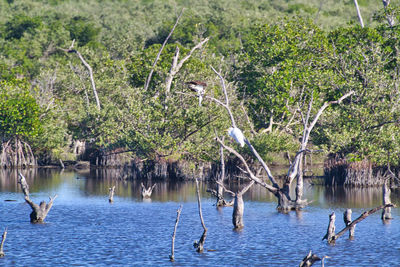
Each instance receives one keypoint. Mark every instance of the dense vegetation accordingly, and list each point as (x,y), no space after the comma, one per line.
(275,55)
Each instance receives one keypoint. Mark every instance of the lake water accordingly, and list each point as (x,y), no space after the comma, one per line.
(83,229)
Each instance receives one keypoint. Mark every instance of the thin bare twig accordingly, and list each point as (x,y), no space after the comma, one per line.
(146,85)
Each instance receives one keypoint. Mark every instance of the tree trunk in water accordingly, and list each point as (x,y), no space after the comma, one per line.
(3,239)
(200,244)
(146,193)
(39,212)
(299,186)
(220,190)
(347,221)
(387,212)
(238,209)
(111,194)
(178,214)
(330,233)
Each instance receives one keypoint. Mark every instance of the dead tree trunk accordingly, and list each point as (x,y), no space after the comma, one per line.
(111,194)
(331,236)
(178,214)
(285,203)
(330,233)
(219,193)
(238,210)
(3,239)
(386,212)
(39,212)
(347,221)
(146,193)
(220,189)
(238,205)
(199,245)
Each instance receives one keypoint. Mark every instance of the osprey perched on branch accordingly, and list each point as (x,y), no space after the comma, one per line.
(198,87)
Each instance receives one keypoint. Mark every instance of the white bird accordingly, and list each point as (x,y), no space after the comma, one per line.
(236,134)
(198,87)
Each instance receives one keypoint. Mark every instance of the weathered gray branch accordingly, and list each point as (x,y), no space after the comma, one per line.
(331,236)
(359,14)
(24,184)
(175,67)
(247,168)
(330,233)
(89,68)
(347,221)
(386,212)
(199,245)
(146,193)
(39,212)
(294,168)
(111,194)
(3,239)
(146,85)
(178,214)
(252,149)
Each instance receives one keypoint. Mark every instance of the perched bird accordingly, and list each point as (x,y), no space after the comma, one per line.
(236,134)
(198,87)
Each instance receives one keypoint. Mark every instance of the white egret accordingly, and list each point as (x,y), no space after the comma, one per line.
(198,87)
(236,134)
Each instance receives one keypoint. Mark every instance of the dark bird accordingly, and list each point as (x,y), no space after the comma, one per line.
(198,87)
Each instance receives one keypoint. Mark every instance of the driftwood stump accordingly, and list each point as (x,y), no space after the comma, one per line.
(386,212)
(3,239)
(347,221)
(178,214)
(331,236)
(39,212)
(146,193)
(330,233)
(111,194)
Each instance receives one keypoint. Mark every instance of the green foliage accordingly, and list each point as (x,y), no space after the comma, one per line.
(19,112)
(83,31)
(283,64)
(270,143)
(366,128)
(20,24)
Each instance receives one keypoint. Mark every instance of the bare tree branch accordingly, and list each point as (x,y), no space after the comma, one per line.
(146,85)
(71,50)
(178,214)
(175,67)
(250,173)
(359,14)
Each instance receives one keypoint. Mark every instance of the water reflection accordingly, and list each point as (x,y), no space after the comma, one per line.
(97,183)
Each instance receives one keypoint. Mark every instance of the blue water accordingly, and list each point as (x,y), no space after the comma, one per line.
(84,229)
